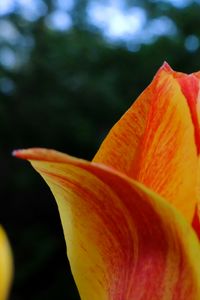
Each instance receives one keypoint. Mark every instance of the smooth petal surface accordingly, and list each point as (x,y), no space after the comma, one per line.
(123,240)
(6,265)
(156,142)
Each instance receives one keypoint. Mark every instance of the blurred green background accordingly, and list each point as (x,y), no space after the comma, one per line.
(68,70)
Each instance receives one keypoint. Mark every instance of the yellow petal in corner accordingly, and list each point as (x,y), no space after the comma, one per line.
(6,265)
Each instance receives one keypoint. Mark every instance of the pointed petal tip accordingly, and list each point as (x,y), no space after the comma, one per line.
(19,153)
(15,152)
(41,154)
(25,153)
(166,67)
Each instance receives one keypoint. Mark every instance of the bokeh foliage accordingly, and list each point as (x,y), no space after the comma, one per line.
(66,95)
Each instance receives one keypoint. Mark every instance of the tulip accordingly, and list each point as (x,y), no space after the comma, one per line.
(130,217)
(6,265)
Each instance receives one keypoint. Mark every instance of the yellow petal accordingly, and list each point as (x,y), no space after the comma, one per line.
(123,240)
(155,141)
(6,265)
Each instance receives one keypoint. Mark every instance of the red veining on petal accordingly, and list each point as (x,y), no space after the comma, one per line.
(196,222)
(190,88)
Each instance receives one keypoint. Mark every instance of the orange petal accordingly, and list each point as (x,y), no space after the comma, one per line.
(6,265)
(155,142)
(123,240)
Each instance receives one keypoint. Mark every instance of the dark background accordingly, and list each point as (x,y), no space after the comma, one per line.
(62,86)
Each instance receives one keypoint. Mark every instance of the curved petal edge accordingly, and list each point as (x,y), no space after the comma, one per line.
(6,265)
(123,240)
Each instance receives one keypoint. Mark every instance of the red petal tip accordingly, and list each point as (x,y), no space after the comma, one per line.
(18,153)
(14,152)
(165,66)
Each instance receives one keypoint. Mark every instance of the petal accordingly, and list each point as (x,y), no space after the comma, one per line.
(154,142)
(6,265)
(197,75)
(123,240)
(196,221)
(190,88)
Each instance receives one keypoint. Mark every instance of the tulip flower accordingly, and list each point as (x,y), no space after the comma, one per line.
(6,265)
(130,217)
